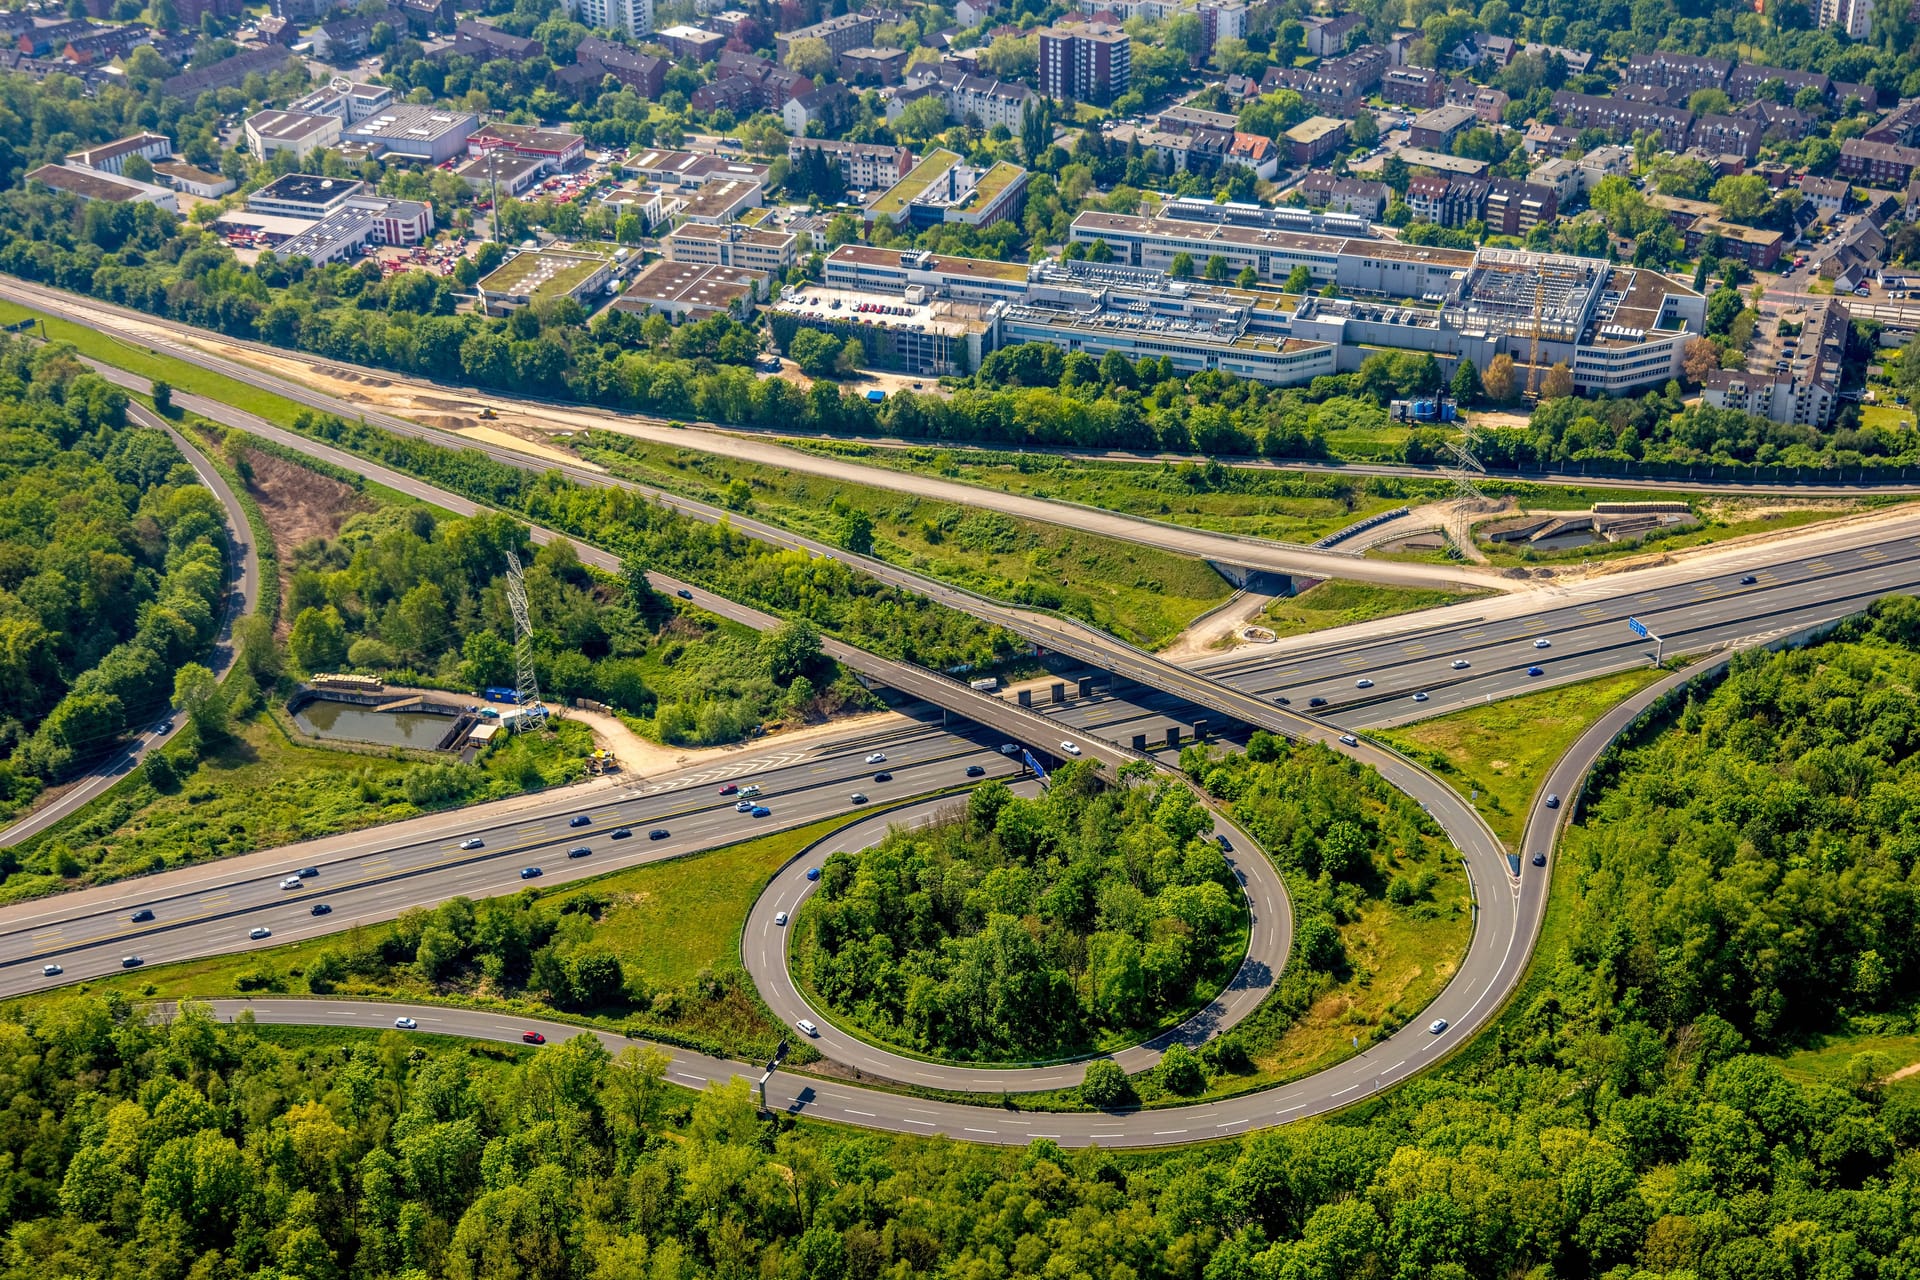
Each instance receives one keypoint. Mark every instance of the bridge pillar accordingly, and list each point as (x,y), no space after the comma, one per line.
(1086,686)
(1059,691)
(1199,730)
(1026,697)
(1139,742)
(1173,735)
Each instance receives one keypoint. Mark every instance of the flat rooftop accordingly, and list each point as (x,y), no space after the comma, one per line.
(890,259)
(499,165)
(883,311)
(405,120)
(923,175)
(1097,224)
(308,188)
(290,126)
(542,273)
(90,183)
(690,284)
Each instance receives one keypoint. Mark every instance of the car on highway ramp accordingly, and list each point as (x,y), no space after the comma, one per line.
(1348,740)
(807,1028)
(473,842)
(1553,801)
(813,873)
(1070,748)
(780,918)
(530,873)
(578,820)
(532,1037)
(405,1024)
(259,932)
(1437,1026)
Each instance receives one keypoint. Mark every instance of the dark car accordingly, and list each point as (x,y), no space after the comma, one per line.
(1283,701)
(308,873)
(976,771)
(684,594)
(658,833)
(143,915)
(131,962)
(529,873)
(1536,671)
(1539,859)
(1553,801)
(883,776)
(622,833)
(533,1037)
(1748,581)
(578,851)
(578,820)
(1316,702)
(1225,844)
(321,909)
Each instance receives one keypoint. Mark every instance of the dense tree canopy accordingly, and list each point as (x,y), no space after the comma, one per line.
(111,566)
(1024,928)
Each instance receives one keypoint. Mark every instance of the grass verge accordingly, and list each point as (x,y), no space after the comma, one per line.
(1141,594)
(1337,603)
(1496,754)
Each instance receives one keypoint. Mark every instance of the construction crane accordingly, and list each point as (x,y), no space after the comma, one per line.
(1533,345)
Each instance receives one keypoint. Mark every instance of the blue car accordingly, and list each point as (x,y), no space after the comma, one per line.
(761,811)
(1536,671)
(813,873)
(578,820)
(529,873)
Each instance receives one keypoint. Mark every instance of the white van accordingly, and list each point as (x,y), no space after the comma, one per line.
(807,1028)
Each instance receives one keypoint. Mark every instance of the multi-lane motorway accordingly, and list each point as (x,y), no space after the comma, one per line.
(213,908)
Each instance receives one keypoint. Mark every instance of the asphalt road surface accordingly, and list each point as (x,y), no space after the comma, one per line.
(765,951)
(243,593)
(211,909)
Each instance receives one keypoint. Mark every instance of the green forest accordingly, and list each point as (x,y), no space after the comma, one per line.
(1028,928)
(111,568)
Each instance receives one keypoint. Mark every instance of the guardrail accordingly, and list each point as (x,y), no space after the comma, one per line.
(1361,526)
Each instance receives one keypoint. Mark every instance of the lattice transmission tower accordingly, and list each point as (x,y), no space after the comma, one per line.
(533,712)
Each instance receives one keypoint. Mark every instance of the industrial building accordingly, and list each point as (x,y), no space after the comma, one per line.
(300,132)
(542,275)
(689,291)
(1619,329)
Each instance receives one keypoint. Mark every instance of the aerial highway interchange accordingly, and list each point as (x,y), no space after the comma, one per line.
(1318,687)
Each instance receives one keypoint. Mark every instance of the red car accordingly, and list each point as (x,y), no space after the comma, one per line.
(533,1037)
(732,788)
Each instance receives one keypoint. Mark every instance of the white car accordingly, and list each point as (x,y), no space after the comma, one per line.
(1009,749)
(878,757)
(1461,664)
(1363,683)
(1543,643)
(405,1024)
(261,932)
(474,842)
(1070,748)
(807,1028)
(780,918)
(51,971)
(1419,697)
(292,882)
(1437,1026)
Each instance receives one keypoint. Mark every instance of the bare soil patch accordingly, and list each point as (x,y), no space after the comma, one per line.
(299,505)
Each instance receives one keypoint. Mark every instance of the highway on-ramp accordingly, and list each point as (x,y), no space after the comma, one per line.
(764,948)
(243,593)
